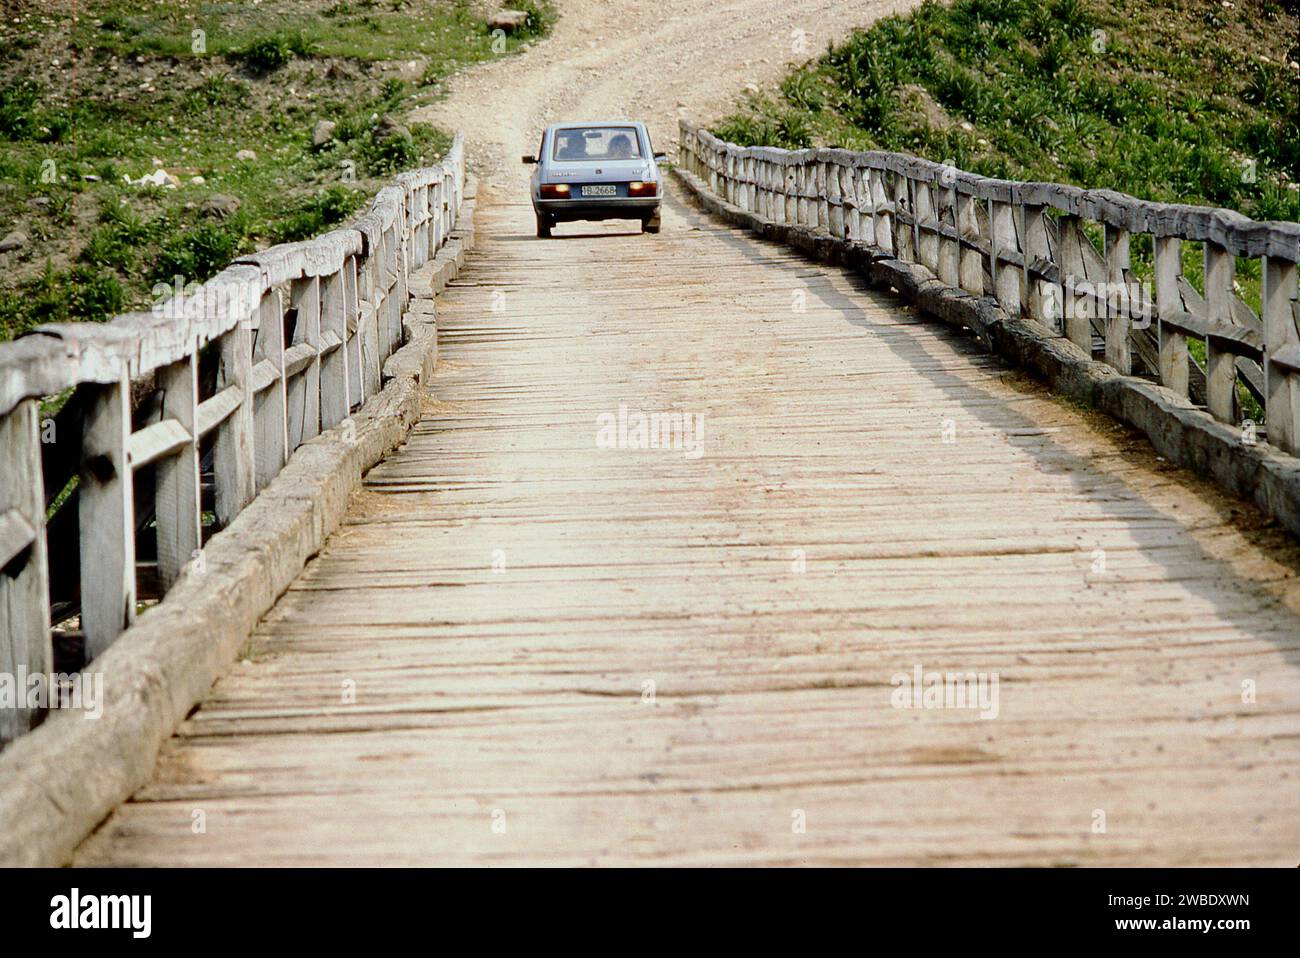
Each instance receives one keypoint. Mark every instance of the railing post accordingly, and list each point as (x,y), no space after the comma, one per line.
(1282,353)
(1078,323)
(269,404)
(768,173)
(790,192)
(176,486)
(1007,278)
(426,223)
(304,391)
(1220,365)
(927,225)
(949,246)
(235,464)
(971,263)
(370,302)
(397,287)
(864,207)
(1043,297)
(352,322)
(801,198)
(850,192)
(835,200)
(1174,369)
(335,401)
(822,171)
(920,207)
(391,318)
(1118,347)
(24,570)
(882,211)
(902,234)
(107,517)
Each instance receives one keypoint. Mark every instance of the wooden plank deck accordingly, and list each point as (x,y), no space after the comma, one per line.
(873,495)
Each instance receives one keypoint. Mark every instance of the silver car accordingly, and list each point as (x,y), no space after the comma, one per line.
(596,171)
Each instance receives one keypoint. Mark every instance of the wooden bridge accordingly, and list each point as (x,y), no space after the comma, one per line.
(534,638)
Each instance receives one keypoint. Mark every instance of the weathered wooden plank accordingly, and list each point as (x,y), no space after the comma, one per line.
(177,491)
(156,441)
(1074,268)
(334,384)
(1220,364)
(16,536)
(304,387)
(234,463)
(1283,351)
(352,303)
(1008,280)
(24,573)
(271,445)
(1043,298)
(107,517)
(1173,341)
(214,410)
(33,367)
(1119,352)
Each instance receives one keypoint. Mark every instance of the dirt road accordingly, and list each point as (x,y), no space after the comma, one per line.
(651,60)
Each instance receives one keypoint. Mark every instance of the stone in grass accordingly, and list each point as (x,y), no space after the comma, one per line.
(220,206)
(323,133)
(245,155)
(511,21)
(15,240)
(388,128)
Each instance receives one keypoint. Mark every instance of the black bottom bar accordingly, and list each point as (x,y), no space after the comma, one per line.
(918,908)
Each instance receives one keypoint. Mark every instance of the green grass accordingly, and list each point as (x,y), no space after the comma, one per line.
(134,84)
(272,33)
(1163,99)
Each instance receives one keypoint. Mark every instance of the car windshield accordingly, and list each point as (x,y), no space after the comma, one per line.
(596,143)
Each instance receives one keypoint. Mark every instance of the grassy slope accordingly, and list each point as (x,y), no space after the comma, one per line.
(1164,99)
(93,91)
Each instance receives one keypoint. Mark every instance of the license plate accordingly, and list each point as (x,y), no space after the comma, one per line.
(600,190)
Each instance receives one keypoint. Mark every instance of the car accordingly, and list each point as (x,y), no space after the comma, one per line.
(599,170)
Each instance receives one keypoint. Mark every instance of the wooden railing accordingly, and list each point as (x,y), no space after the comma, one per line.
(238,372)
(1027,245)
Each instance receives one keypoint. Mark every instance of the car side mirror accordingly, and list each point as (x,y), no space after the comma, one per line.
(660,156)
(528,159)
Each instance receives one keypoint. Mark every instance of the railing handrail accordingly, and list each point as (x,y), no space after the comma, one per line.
(299,335)
(53,357)
(1238,233)
(998,238)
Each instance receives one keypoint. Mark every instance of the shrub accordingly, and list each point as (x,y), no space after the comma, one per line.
(275,50)
(539,20)
(95,295)
(18,120)
(318,213)
(199,253)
